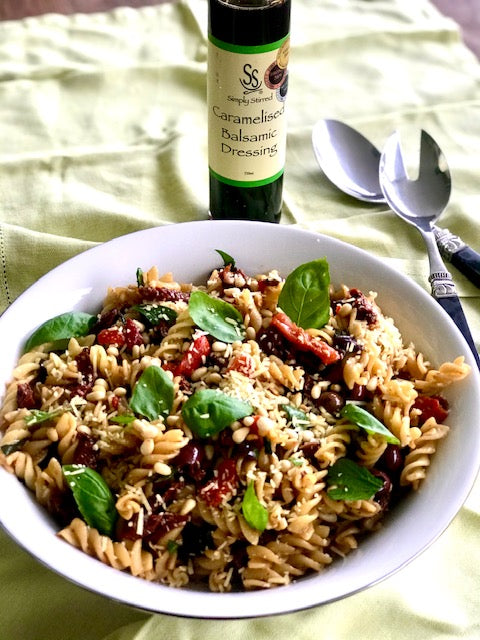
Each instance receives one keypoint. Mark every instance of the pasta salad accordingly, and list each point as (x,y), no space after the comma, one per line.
(240,433)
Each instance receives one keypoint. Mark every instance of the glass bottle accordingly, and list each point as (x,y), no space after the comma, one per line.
(246,92)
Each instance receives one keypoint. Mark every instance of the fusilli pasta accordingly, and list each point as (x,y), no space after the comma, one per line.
(247,493)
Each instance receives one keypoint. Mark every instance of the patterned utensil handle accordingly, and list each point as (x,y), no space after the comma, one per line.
(443,290)
(463,257)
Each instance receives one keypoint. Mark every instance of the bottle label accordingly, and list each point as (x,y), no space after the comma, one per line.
(247,88)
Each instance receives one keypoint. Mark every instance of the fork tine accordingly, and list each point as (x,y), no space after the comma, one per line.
(432,157)
(394,164)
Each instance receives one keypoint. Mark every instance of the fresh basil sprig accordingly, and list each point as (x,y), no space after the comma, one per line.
(209,411)
(124,418)
(305,295)
(253,510)
(153,394)
(93,497)
(11,447)
(172,546)
(154,313)
(139,277)
(217,317)
(37,416)
(63,327)
(227,259)
(297,417)
(347,480)
(362,418)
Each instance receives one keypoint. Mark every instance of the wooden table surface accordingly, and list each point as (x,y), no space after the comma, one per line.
(465,12)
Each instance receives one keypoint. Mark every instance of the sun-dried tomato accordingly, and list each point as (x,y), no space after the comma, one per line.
(85,452)
(106,319)
(222,484)
(25,396)
(303,341)
(194,357)
(132,334)
(364,307)
(232,276)
(267,282)
(85,369)
(244,364)
(162,294)
(431,407)
(155,525)
(127,334)
(114,336)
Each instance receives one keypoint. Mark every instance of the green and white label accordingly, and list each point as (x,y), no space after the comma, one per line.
(247,88)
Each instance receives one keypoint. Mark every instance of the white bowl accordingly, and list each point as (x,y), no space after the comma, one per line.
(188,251)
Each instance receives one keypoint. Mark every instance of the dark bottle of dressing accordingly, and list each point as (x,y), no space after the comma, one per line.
(247,87)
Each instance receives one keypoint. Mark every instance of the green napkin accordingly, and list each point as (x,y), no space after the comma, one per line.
(103,132)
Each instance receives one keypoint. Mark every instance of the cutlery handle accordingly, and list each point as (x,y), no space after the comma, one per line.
(459,254)
(468,262)
(451,304)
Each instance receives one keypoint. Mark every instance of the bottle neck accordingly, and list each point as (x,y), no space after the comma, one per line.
(249,22)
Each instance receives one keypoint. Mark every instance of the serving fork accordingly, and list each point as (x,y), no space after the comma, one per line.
(420,202)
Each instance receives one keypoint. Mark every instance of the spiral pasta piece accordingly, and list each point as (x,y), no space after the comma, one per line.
(436,380)
(418,459)
(177,336)
(118,555)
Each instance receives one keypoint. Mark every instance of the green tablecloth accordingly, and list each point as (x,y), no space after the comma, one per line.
(103,132)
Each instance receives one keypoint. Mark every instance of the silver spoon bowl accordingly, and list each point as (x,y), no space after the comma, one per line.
(351,163)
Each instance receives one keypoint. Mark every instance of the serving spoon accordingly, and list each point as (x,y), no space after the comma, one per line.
(351,162)
(420,202)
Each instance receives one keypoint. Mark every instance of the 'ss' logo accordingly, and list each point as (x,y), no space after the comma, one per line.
(250,81)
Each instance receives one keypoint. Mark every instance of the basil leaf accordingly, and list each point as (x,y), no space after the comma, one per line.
(297,417)
(7,449)
(93,497)
(153,313)
(125,418)
(62,327)
(367,421)
(36,416)
(139,276)
(172,546)
(209,411)
(297,462)
(349,481)
(152,396)
(227,259)
(253,511)
(305,295)
(217,317)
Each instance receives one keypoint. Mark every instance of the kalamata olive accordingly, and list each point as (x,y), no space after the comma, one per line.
(391,459)
(249,449)
(191,461)
(364,307)
(189,454)
(309,449)
(225,438)
(384,493)
(358,392)
(273,343)
(331,401)
(195,540)
(346,343)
